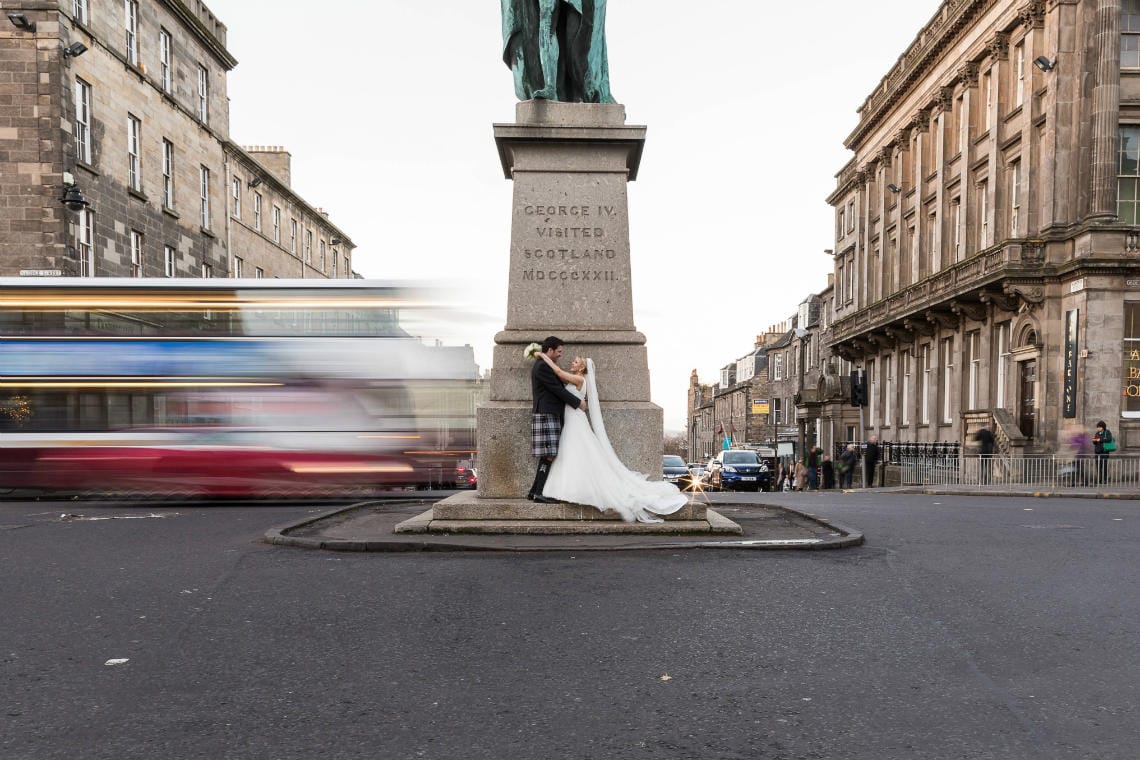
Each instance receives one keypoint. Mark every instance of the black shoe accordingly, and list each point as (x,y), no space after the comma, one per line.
(545,500)
(530,496)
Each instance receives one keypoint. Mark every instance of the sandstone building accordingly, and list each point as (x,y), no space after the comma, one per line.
(120,109)
(987,240)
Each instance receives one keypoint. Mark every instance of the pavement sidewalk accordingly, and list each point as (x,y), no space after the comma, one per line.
(368,526)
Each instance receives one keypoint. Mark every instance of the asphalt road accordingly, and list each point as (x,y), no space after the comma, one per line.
(965,628)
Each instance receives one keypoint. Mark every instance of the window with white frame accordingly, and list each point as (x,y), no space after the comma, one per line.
(235,199)
(988,100)
(778,367)
(1130,34)
(323,257)
(904,391)
(168,256)
(276,224)
(239,266)
(207,271)
(131,21)
(947,380)
(167,174)
(165,60)
(872,394)
(983,214)
(347,269)
(134,153)
(203,94)
(85,242)
(257,211)
(1014,197)
(293,236)
(955,223)
(924,394)
(258,273)
(850,216)
(1128,175)
(204,192)
(334,274)
(308,246)
(889,391)
(1019,74)
(1003,354)
(82,121)
(973,349)
(778,411)
(79,11)
(841,222)
(136,254)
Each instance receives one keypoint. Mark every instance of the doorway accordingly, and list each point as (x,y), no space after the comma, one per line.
(1027,406)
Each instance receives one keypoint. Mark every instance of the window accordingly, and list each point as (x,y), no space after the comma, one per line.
(167,174)
(276,224)
(778,367)
(975,367)
(79,11)
(203,95)
(235,206)
(924,394)
(134,157)
(207,271)
(1130,34)
(168,260)
(257,211)
(85,242)
(947,379)
(872,393)
(132,24)
(1014,197)
(850,433)
(308,246)
(258,273)
(204,187)
(165,55)
(904,392)
(850,216)
(239,266)
(1019,74)
(983,214)
(841,226)
(334,274)
(293,236)
(889,388)
(988,100)
(136,253)
(322,259)
(83,121)
(956,228)
(778,411)
(1003,333)
(347,269)
(1130,385)
(1128,176)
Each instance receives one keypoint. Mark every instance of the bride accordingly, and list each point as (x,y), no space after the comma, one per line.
(587,471)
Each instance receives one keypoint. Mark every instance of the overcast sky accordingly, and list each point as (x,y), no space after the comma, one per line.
(387,107)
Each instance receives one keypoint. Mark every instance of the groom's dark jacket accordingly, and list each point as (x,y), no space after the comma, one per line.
(550,395)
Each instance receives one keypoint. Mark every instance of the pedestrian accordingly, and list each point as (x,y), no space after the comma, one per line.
(870,461)
(1081,446)
(1103,445)
(848,460)
(801,477)
(811,465)
(828,470)
(985,440)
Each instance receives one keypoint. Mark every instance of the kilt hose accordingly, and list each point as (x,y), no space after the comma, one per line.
(545,430)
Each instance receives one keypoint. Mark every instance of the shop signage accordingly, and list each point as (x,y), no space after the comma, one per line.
(1069,392)
(760,406)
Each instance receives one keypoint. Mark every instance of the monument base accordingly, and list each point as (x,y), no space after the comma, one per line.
(468,513)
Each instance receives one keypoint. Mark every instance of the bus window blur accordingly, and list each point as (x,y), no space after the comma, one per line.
(228,388)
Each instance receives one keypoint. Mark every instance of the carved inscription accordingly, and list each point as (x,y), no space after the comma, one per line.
(568,244)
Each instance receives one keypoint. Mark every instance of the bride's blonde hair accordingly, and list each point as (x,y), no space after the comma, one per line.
(581,363)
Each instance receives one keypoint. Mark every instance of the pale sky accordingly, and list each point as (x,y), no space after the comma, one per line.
(387,107)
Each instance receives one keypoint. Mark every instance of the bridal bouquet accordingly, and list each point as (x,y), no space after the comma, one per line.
(532,351)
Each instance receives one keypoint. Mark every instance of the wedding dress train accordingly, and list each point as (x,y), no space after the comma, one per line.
(587,471)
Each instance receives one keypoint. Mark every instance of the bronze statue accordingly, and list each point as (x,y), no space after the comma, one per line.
(557,49)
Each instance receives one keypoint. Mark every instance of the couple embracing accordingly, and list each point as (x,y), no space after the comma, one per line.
(576,462)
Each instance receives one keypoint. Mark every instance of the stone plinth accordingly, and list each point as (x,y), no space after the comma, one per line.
(569,276)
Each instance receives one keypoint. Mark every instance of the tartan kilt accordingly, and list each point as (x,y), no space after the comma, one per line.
(545,430)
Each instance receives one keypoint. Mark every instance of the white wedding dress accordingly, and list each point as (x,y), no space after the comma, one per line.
(587,471)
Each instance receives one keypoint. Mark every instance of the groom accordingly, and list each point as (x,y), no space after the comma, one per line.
(550,400)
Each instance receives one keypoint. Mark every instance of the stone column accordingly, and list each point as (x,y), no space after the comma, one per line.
(569,276)
(1106,109)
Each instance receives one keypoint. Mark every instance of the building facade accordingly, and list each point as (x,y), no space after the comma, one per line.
(116,152)
(986,257)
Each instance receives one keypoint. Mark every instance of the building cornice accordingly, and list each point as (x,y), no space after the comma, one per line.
(202,32)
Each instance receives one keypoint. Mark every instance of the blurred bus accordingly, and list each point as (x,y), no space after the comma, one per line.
(224,387)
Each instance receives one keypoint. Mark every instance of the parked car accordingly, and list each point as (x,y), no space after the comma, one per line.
(698,473)
(739,470)
(673,470)
(465,474)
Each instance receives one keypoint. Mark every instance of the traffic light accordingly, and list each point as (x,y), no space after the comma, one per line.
(858,388)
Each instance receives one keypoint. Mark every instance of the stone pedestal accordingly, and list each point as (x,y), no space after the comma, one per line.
(569,276)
